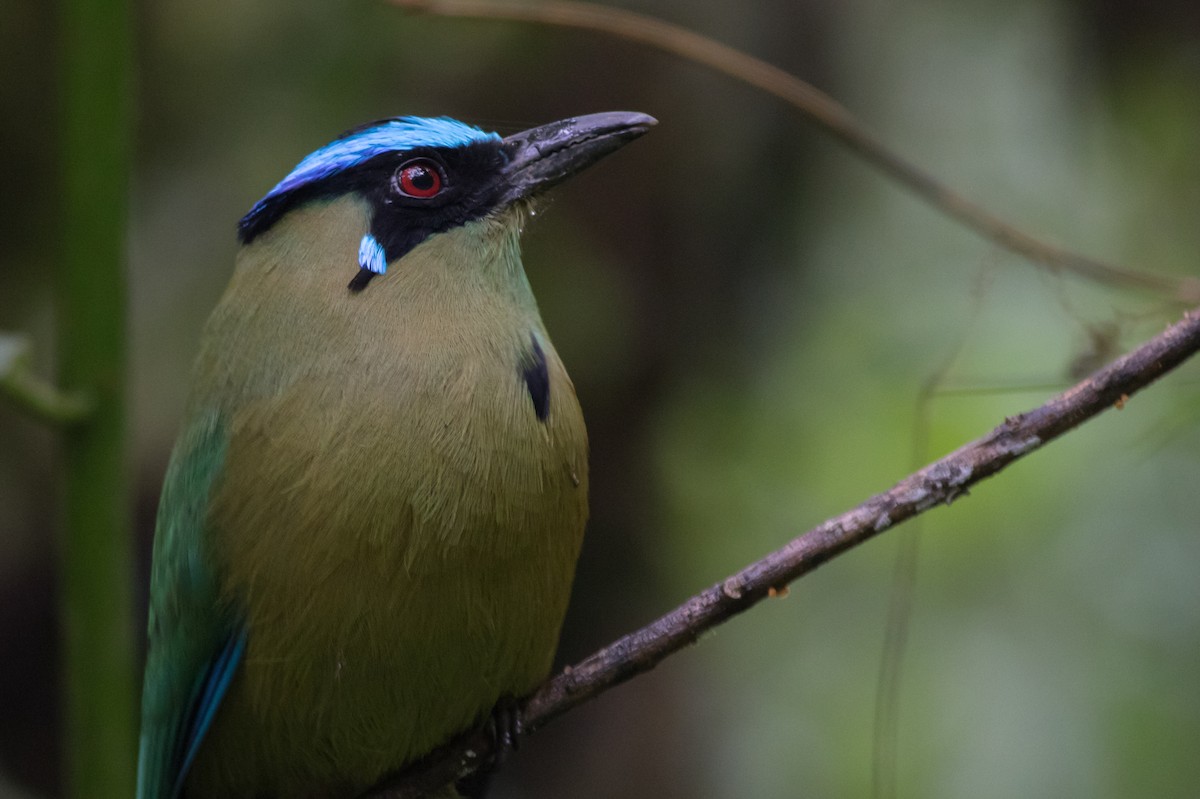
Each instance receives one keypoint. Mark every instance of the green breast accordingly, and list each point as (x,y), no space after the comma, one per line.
(394,522)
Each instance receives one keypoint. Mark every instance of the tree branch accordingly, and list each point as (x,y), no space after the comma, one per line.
(820,108)
(941,482)
(30,393)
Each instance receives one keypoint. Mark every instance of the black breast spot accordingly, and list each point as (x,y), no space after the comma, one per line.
(537,379)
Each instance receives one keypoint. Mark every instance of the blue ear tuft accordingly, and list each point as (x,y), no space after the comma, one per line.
(371,255)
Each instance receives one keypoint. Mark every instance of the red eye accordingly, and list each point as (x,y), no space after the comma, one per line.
(419,179)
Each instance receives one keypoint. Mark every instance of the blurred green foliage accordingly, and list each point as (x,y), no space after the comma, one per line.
(749,315)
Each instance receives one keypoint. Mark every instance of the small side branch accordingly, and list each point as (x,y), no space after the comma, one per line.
(939,483)
(32,394)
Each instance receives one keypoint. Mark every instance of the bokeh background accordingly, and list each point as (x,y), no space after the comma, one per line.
(749,314)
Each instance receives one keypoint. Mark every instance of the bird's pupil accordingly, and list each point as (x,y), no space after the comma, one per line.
(421,178)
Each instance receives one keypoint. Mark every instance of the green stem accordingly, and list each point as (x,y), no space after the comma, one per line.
(96,563)
(35,396)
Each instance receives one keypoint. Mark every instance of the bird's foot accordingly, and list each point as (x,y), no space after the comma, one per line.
(505,726)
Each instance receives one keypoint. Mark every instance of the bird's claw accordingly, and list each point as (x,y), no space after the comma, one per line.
(506,726)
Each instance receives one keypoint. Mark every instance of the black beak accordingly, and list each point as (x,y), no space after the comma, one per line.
(547,155)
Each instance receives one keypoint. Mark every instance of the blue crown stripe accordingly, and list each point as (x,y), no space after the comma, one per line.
(398,134)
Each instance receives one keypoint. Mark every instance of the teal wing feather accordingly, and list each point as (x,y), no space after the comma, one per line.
(194,644)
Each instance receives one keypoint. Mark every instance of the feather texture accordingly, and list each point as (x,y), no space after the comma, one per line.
(384,514)
(188,627)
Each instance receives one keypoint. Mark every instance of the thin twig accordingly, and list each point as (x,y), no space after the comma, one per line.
(938,483)
(822,109)
(33,395)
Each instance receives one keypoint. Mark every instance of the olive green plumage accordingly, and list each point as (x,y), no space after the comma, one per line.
(370,522)
(386,459)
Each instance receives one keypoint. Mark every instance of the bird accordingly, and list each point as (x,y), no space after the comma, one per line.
(370,520)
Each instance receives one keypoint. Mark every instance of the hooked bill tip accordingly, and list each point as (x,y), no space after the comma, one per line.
(546,155)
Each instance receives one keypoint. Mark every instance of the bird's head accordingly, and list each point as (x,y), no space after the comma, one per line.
(422,176)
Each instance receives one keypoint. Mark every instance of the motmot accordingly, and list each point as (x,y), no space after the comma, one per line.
(369,524)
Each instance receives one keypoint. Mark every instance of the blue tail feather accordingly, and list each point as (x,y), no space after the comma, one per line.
(210,691)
